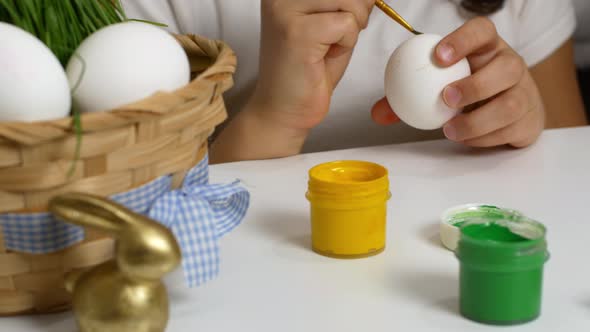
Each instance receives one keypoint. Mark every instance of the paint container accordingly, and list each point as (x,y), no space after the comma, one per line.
(501,269)
(348,201)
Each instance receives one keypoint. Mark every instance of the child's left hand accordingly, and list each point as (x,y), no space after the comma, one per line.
(508,108)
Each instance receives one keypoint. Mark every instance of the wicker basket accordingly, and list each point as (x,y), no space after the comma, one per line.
(123,149)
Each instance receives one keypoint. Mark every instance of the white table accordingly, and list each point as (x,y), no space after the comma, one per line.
(271,281)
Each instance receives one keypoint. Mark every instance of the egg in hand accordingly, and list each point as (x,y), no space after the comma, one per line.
(414,83)
(124,63)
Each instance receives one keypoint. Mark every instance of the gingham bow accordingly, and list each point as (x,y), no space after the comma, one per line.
(199,214)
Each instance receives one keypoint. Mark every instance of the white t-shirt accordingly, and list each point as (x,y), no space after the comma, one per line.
(535,28)
(583,33)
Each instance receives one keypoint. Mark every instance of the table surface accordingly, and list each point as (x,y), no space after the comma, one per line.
(271,281)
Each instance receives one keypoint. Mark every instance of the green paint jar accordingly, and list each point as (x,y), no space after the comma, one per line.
(501,269)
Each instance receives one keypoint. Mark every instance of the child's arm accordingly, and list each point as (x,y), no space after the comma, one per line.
(557,81)
(306,46)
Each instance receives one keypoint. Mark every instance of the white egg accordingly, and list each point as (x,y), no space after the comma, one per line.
(414,83)
(33,84)
(124,63)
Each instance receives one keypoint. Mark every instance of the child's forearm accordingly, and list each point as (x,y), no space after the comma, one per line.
(254,135)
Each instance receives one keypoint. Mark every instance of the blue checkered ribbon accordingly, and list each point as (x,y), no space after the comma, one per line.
(198,213)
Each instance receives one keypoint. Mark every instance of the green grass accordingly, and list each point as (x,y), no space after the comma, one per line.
(62,25)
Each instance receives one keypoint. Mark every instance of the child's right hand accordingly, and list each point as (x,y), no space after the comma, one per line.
(305,48)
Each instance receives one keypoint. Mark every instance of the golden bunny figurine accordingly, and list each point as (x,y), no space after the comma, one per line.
(127,294)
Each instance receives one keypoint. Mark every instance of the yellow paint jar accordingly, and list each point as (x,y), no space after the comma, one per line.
(348,208)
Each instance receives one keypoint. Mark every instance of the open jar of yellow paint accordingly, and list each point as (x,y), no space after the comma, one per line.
(348,208)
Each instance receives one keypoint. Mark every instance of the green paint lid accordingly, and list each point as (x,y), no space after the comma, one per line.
(453,218)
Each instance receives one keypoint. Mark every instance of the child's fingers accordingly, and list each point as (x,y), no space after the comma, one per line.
(519,134)
(506,109)
(324,30)
(383,114)
(476,37)
(505,71)
(359,8)
(309,38)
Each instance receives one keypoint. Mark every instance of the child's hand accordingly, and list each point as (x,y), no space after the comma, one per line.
(305,48)
(507,104)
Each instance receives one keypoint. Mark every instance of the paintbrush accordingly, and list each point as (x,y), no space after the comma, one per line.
(395,16)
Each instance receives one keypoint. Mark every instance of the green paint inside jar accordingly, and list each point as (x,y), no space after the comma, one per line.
(493,232)
(501,269)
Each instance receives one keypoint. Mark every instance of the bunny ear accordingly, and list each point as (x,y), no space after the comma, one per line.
(92,211)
